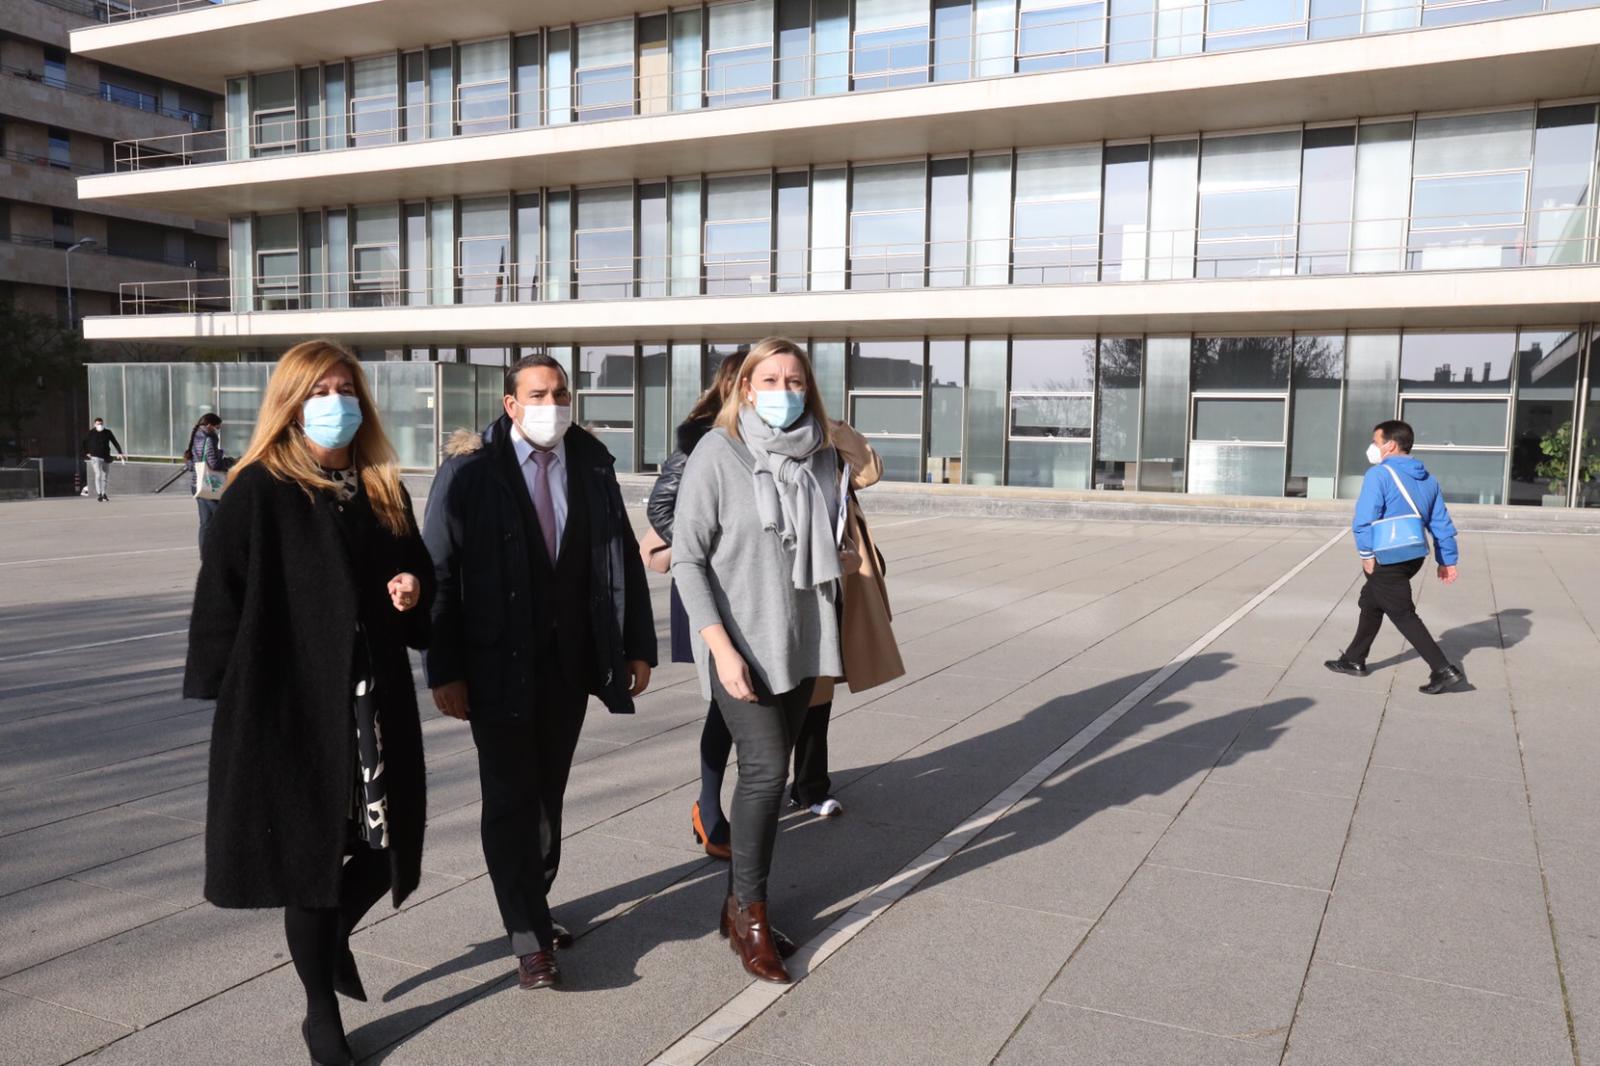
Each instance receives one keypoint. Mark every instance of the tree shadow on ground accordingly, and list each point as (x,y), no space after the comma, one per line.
(902,806)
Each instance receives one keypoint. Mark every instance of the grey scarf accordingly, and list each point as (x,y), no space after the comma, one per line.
(789,500)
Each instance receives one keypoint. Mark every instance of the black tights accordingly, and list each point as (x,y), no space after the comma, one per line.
(318,938)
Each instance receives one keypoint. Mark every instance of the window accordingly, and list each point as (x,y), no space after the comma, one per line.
(1056,36)
(63,230)
(484,269)
(273,119)
(1254,23)
(55,66)
(375,257)
(1120,361)
(60,148)
(1455,390)
(1470,190)
(605,243)
(891,43)
(605,70)
(529,106)
(1541,434)
(887,226)
(1057,236)
(952,40)
(794,48)
(374,101)
(947,388)
(528,238)
(1248,189)
(1317,382)
(1051,412)
(604,379)
(738,237)
(1126,213)
(1563,149)
(484,95)
(886,402)
(1240,401)
(277,283)
(794,223)
(739,57)
(415,66)
(655,66)
(947,221)
(655,256)
(1327,187)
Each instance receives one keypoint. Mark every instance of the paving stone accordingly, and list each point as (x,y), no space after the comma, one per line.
(62,916)
(1355,1017)
(1270,834)
(1056,1034)
(1438,740)
(44,854)
(1218,955)
(1475,816)
(43,1034)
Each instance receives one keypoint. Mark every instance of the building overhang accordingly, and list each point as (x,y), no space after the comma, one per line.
(1487,64)
(1541,296)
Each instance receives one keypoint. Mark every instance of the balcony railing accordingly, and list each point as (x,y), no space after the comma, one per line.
(33,240)
(126,10)
(1133,256)
(112,94)
(45,161)
(496,107)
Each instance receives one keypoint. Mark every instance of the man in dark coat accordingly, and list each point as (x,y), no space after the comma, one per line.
(542,601)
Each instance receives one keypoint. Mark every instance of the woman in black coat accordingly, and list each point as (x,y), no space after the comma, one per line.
(314,582)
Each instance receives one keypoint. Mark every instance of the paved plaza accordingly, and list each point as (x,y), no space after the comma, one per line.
(1117,814)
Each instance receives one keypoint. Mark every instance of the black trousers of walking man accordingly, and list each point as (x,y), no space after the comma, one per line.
(1388,592)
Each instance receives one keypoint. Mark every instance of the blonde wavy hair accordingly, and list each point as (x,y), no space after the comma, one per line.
(280,444)
(760,352)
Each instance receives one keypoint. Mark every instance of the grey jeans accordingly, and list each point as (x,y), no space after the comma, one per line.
(763,740)
(97,475)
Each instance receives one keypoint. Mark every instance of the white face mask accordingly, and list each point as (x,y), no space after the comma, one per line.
(546,423)
(1374,454)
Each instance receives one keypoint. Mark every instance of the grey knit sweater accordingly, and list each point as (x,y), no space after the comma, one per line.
(730,570)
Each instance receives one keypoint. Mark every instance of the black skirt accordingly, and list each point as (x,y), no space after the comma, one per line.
(682,636)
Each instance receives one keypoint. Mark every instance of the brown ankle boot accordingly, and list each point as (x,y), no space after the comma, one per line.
(751,939)
(730,907)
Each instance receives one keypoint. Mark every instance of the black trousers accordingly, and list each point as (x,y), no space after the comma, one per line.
(811,782)
(523,766)
(763,739)
(1388,592)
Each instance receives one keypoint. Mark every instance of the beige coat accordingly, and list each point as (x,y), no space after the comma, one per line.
(871,654)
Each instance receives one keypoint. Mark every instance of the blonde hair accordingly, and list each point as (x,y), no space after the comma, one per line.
(760,352)
(280,445)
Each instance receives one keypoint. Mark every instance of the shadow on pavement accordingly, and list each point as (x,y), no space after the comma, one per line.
(1503,629)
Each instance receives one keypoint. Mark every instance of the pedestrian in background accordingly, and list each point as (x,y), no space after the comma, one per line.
(1399,501)
(757,563)
(208,465)
(97,447)
(313,584)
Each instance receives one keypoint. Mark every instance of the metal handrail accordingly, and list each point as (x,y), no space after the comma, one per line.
(46,161)
(100,12)
(127,10)
(563,103)
(34,240)
(1155,255)
(107,92)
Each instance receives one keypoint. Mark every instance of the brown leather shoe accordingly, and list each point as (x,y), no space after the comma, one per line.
(538,970)
(701,837)
(751,939)
(786,947)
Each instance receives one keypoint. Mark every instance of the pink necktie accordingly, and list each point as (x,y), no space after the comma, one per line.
(543,505)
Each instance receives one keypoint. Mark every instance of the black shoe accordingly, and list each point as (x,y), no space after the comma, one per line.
(1443,680)
(345,1058)
(560,939)
(1341,665)
(347,979)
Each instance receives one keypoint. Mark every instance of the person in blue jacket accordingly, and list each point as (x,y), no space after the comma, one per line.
(1394,477)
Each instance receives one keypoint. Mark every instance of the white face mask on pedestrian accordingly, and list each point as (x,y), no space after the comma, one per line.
(545,424)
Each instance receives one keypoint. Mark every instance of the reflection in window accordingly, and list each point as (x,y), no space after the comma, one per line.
(1051,412)
(272,120)
(1119,366)
(1056,36)
(1248,188)
(886,402)
(484,262)
(1327,183)
(605,70)
(1542,421)
(887,220)
(375,256)
(794,224)
(1314,418)
(952,40)
(1253,23)
(374,101)
(891,43)
(947,379)
(277,262)
(1456,362)
(738,241)
(485,89)
(1125,218)
(739,57)
(1469,191)
(1563,150)
(1057,216)
(605,243)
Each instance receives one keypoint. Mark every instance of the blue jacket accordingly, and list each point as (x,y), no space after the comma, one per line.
(1380,498)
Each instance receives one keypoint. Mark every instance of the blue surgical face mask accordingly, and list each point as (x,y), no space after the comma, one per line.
(332,420)
(780,408)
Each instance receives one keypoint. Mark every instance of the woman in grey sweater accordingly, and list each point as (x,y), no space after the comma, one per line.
(757,565)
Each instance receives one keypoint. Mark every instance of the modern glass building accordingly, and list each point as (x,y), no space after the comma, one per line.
(1119,245)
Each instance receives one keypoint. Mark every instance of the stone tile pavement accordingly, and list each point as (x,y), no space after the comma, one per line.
(1250,860)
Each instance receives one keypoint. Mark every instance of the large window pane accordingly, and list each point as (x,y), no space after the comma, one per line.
(404,396)
(1467,477)
(739,54)
(1456,362)
(1383,155)
(947,222)
(947,379)
(887,226)
(986,411)
(1052,35)
(1248,190)
(991,220)
(1126,214)
(1174,184)
(655,66)
(1053,364)
(240,387)
(605,243)
(687,55)
(684,224)
(1116,439)
(996,32)
(1314,417)
(1471,189)
(832,65)
(528,95)
(1327,186)
(1166,410)
(1237,419)
(374,101)
(375,256)
(655,257)
(1241,364)
(605,70)
(1235,470)
(654,428)
(794,49)
(1563,157)
(952,40)
(828,229)
(1372,375)
(1254,23)
(485,86)
(1056,229)
(891,43)
(1050,464)
(602,366)
(1541,432)
(1457,423)
(485,257)
(794,224)
(738,238)
(881,365)
(528,239)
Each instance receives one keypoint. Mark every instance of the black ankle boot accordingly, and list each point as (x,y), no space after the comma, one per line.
(325,1041)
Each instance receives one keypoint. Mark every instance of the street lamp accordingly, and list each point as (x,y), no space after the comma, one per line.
(83,242)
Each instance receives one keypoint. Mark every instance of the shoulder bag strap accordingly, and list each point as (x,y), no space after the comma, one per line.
(1401,486)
